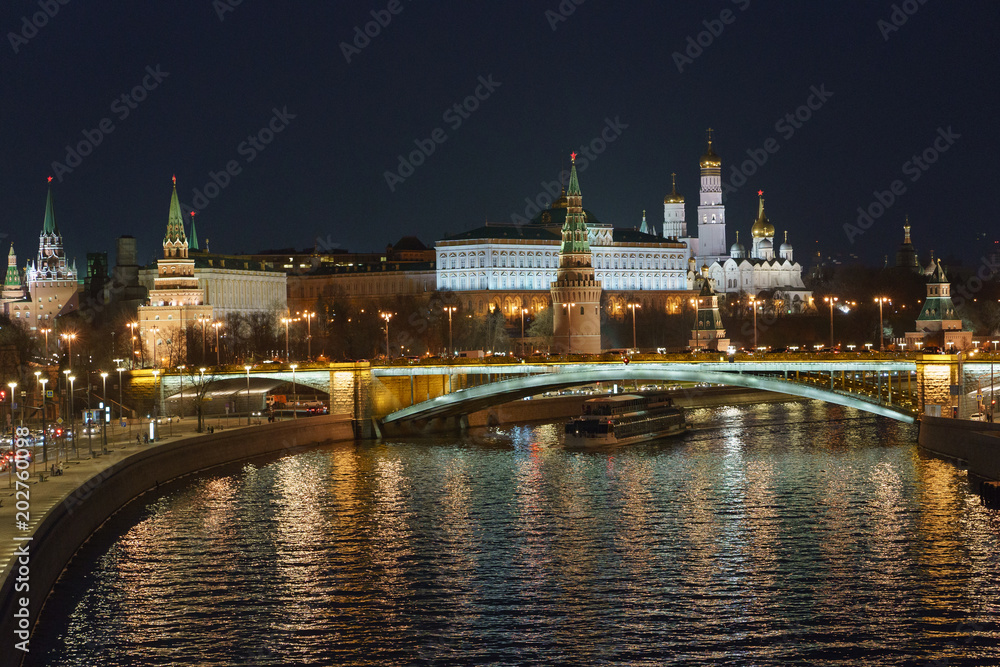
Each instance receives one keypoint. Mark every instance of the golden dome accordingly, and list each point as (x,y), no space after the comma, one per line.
(562,202)
(674,197)
(762,228)
(710,159)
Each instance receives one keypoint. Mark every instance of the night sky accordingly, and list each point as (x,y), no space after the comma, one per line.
(557,76)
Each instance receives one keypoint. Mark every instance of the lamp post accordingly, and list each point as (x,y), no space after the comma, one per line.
(45,430)
(68,337)
(295,412)
(201,397)
(881,332)
(46,331)
(309,316)
(104,392)
(12,385)
(523,311)
(831,300)
(132,326)
(451,345)
(386,317)
(217,326)
(753,305)
(203,320)
(72,419)
(181,369)
(697,341)
(632,307)
(285,321)
(247,368)
(121,408)
(154,331)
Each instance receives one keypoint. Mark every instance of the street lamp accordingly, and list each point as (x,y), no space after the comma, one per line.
(203,320)
(633,306)
(132,326)
(451,346)
(386,317)
(295,412)
(68,337)
(12,385)
(753,304)
(217,326)
(121,408)
(181,369)
(523,311)
(309,316)
(46,331)
(285,321)
(45,430)
(831,300)
(154,331)
(104,381)
(72,419)
(881,332)
(569,326)
(248,393)
(697,340)
(201,398)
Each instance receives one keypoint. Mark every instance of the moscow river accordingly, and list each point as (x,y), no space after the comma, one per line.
(772,534)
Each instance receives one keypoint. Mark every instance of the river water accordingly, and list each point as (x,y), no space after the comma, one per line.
(772,534)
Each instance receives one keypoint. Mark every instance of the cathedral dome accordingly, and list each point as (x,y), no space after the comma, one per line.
(765,245)
(762,228)
(674,197)
(710,159)
(737,250)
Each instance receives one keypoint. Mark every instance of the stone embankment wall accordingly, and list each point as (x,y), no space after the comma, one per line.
(975,444)
(71,520)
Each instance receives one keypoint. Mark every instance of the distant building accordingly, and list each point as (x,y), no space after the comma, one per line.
(938,324)
(906,255)
(50,282)
(190,290)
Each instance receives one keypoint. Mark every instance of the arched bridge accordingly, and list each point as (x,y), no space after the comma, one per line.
(889,388)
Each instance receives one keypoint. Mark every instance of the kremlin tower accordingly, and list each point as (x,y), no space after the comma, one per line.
(576,295)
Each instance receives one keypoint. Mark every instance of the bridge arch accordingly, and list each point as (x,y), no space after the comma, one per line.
(476,398)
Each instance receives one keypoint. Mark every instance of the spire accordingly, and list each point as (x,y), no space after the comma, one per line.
(906,230)
(574,184)
(575,238)
(175,221)
(644,227)
(13,277)
(49,226)
(193,243)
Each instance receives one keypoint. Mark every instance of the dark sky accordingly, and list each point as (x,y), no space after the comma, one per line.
(888,96)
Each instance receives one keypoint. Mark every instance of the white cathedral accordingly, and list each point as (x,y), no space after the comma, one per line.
(522,260)
(761,272)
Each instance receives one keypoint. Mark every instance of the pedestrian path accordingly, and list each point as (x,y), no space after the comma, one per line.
(45,491)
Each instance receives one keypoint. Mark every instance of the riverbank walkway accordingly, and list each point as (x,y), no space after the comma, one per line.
(45,491)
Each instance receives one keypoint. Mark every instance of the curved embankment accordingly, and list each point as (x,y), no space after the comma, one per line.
(72,516)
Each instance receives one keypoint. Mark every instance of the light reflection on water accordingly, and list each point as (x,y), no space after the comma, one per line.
(771,534)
